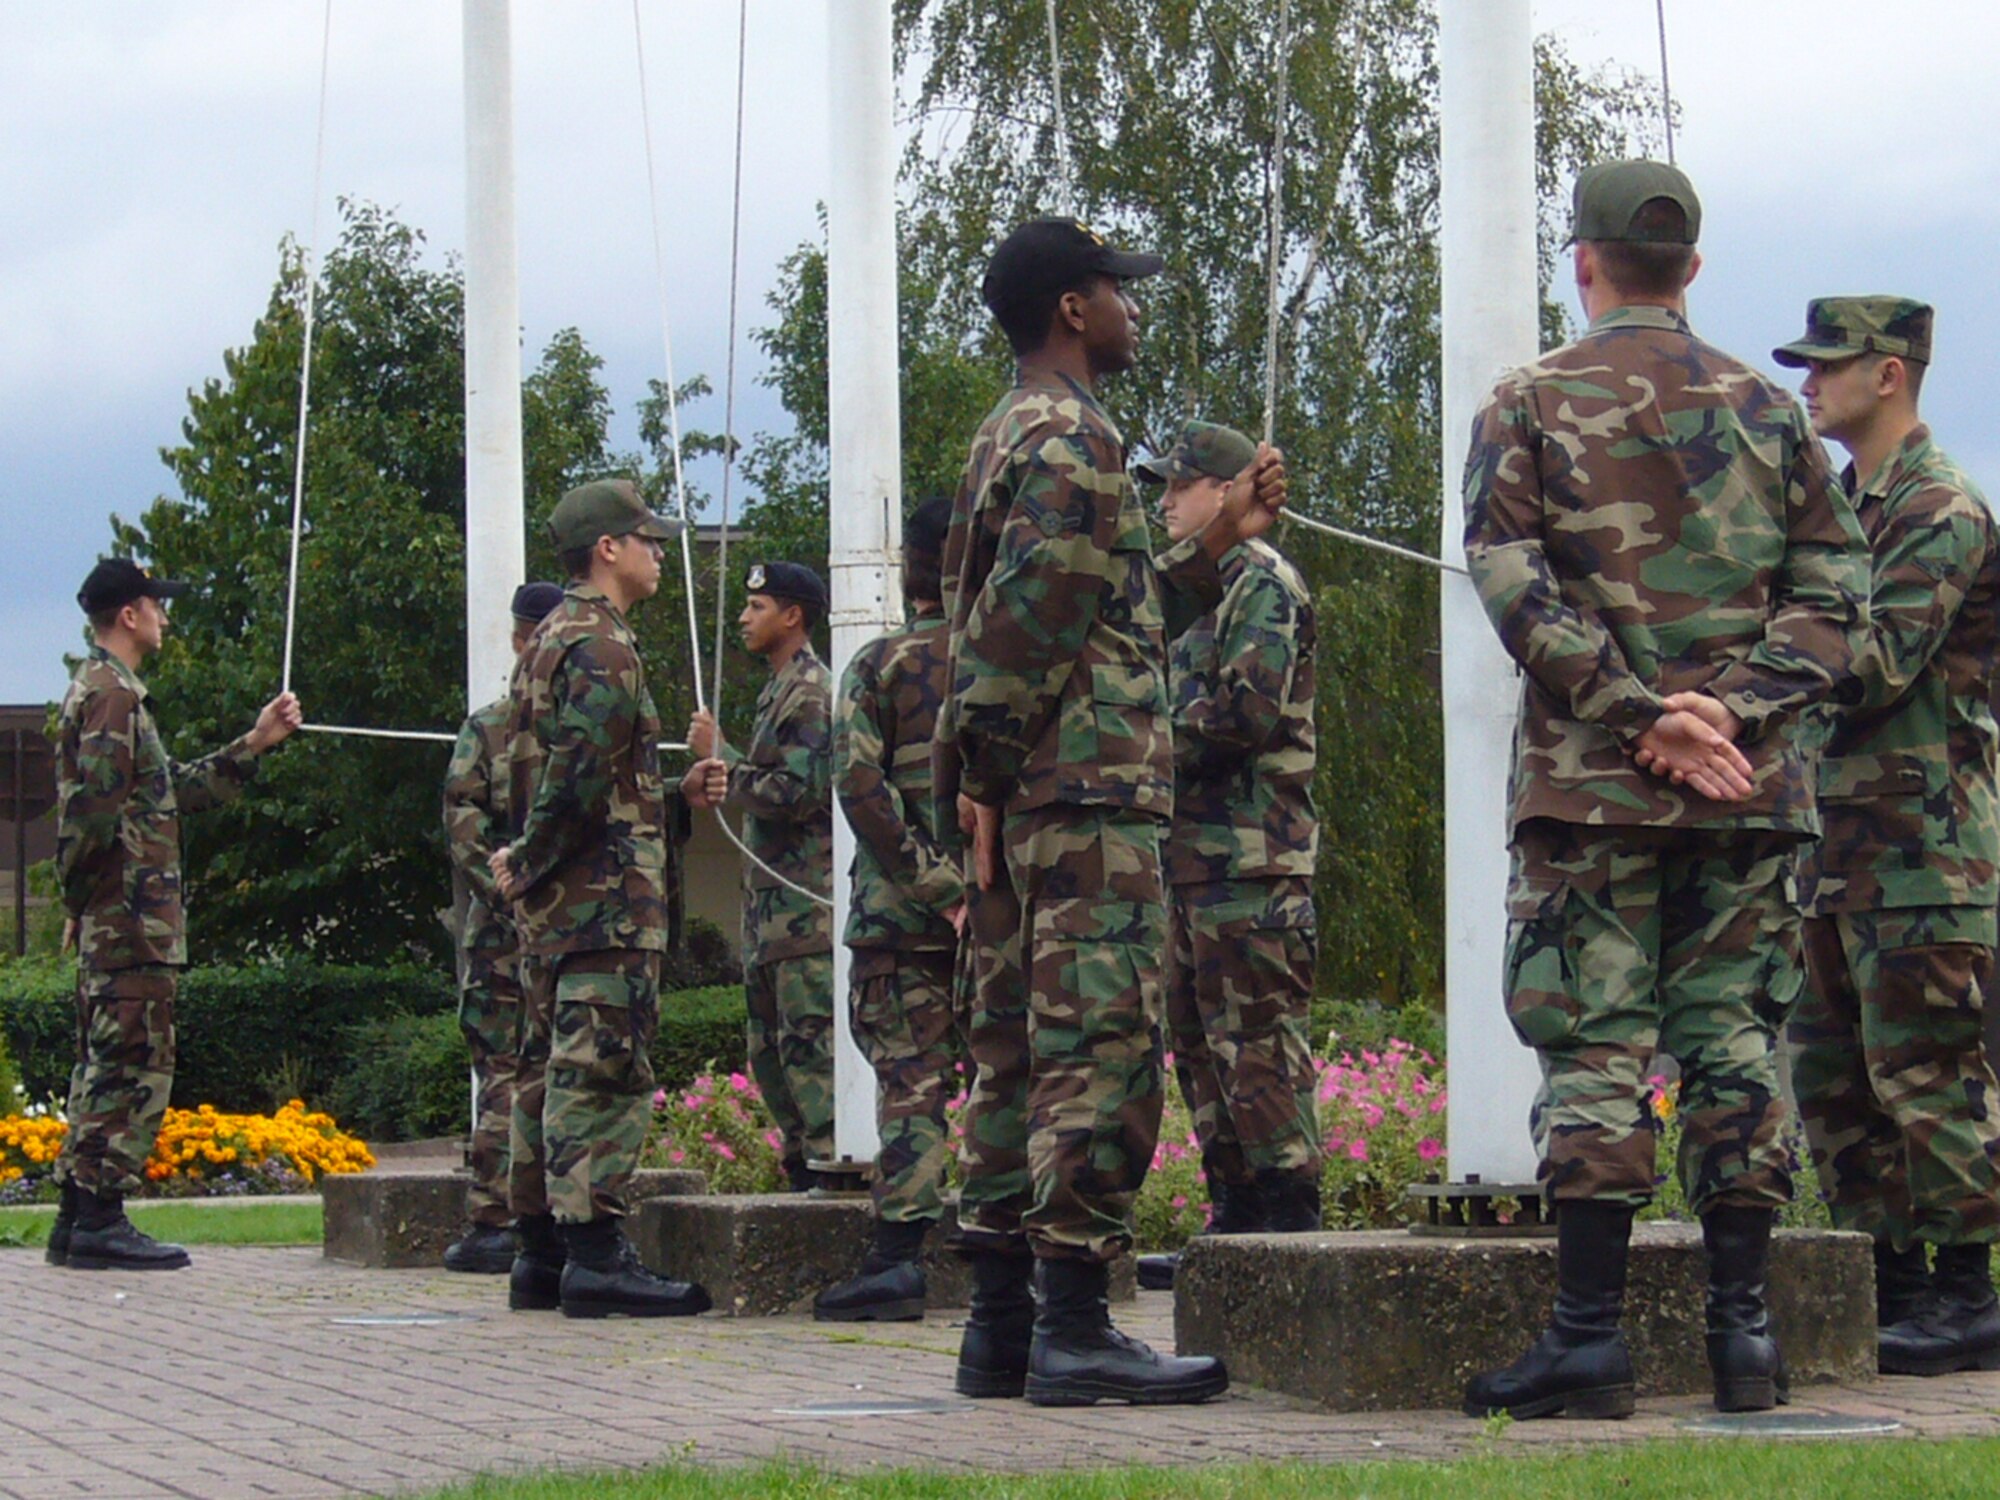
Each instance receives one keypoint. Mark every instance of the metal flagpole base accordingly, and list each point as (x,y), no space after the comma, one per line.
(1470,1210)
(842,1177)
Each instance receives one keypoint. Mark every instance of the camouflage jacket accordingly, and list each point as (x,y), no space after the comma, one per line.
(475,824)
(1907,795)
(1646,515)
(1241,680)
(119,797)
(904,880)
(585,796)
(783,785)
(1060,615)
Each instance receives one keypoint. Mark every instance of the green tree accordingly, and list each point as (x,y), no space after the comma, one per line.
(336,848)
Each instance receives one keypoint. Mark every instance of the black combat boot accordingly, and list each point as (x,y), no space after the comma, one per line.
(605,1278)
(1743,1357)
(57,1253)
(993,1355)
(1902,1282)
(799,1178)
(890,1288)
(1290,1201)
(103,1239)
(535,1280)
(483,1250)
(1958,1329)
(1234,1208)
(1580,1365)
(1079,1359)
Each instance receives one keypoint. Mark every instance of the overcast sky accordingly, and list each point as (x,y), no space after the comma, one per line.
(152,157)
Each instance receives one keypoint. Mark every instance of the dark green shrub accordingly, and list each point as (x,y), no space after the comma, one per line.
(409,1079)
(246,1038)
(705,959)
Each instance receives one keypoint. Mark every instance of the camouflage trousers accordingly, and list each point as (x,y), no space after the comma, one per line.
(1240,962)
(1060,997)
(123,1076)
(1623,942)
(583,1089)
(901,1011)
(790,1041)
(489,1018)
(1890,1067)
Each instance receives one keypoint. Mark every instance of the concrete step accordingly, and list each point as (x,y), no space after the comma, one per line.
(1386,1321)
(402,1219)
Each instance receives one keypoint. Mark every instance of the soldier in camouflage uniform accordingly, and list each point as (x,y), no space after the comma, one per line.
(1243,942)
(1888,1062)
(909,901)
(118,858)
(489,959)
(1055,748)
(782,784)
(585,875)
(1660,543)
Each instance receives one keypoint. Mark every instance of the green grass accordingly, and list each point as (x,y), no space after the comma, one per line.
(194,1221)
(1686,1469)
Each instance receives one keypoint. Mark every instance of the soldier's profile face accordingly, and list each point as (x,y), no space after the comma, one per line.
(1110,326)
(149,625)
(637,563)
(1190,504)
(763,623)
(1840,395)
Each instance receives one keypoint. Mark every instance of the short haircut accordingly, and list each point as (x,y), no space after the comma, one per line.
(105,619)
(1026,320)
(808,613)
(576,560)
(1656,266)
(1913,374)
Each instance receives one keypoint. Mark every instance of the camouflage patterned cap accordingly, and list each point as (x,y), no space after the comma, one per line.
(605,507)
(1198,449)
(1841,327)
(1609,195)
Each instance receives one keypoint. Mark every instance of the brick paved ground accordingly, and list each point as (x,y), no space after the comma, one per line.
(234,1379)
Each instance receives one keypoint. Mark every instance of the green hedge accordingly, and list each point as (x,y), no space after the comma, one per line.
(408,1078)
(378,1047)
(247,1038)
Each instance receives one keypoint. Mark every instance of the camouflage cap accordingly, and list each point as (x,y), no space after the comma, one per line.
(790,581)
(118,581)
(1609,195)
(1198,449)
(605,507)
(1841,327)
(1046,255)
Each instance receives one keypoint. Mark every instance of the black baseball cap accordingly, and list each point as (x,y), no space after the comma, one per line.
(1047,255)
(790,581)
(533,601)
(118,581)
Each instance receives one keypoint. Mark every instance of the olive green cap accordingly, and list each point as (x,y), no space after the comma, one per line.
(1199,449)
(605,507)
(1841,327)
(1609,195)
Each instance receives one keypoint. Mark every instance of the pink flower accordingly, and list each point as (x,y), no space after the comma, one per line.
(660,1099)
(1437,1105)
(677,1156)
(1358,1149)
(723,1150)
(1180,1200)
(1429,1149)
(774,1139)
(738,1082)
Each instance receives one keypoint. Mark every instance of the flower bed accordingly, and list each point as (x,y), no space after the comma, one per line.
(199,1153)
(1381,1113)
